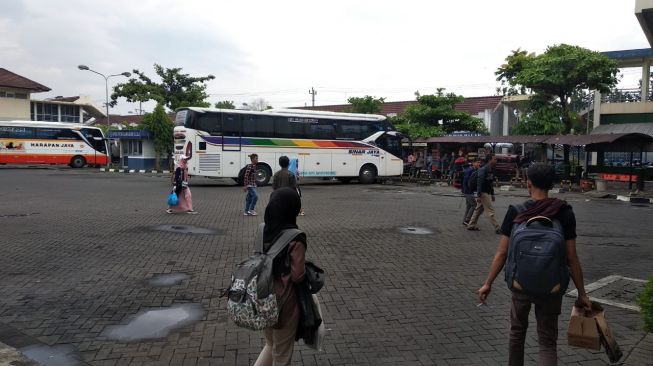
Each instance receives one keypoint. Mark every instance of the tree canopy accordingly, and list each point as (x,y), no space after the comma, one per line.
(557,75)
(161,127)
(439,110)
(174,91)
(367,104)
(225,104)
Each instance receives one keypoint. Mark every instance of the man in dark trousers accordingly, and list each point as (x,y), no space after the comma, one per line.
(484,194)
(547,307)
(470,202)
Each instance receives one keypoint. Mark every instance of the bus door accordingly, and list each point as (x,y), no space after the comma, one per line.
(391,163)
(232,128)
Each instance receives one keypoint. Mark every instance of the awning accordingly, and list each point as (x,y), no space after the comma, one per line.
(623,142)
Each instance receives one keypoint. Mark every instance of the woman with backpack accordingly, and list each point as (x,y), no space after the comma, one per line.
(288,271)
(180,183)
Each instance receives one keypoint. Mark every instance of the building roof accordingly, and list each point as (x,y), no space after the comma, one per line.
(10,80)
(645,128)
(83,101)
(472,105)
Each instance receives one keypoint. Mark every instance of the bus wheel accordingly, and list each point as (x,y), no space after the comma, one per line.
(367,174)
(77,161)
(263,175)
(344,180)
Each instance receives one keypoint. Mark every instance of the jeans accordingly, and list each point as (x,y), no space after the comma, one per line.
(250,199)
(546,313)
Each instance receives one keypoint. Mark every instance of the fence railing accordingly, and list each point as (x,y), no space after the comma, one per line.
(626,95)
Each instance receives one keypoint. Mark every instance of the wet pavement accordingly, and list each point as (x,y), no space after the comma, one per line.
(156,323)
(90,272)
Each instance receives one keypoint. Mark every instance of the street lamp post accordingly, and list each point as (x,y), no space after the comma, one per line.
(106,85)
(106,89)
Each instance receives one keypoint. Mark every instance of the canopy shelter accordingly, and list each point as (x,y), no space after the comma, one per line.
(613,141)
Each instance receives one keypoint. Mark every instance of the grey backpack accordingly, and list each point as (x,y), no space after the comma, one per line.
(537,257)
(252,303)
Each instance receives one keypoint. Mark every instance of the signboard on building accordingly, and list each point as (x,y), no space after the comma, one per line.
(129,134)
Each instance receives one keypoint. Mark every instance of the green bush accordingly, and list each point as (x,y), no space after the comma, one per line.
(646,304)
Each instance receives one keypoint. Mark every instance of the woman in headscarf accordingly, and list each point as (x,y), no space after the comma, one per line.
(180,182)
(288,269)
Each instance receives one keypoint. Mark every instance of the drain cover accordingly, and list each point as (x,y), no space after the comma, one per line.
(615,290)
(415,230)
(187,229)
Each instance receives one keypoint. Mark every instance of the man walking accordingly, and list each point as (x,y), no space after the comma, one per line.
(249,186)
(284,177)
(544,285)
(484,194)
(470,201)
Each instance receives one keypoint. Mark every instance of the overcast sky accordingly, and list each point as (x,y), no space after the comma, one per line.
(278,50)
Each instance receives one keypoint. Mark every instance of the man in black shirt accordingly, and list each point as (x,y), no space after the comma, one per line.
(484,194)
(547,309)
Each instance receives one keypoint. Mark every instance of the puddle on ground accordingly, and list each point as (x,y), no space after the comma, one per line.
(187,229)
(167,279)
(154,324)
(51,356)
(415,230)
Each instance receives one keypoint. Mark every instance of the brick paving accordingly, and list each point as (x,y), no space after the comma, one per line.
(78,245)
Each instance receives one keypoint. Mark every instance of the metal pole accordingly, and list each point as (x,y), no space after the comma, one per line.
(106,89)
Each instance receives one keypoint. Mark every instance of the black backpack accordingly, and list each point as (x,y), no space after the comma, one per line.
(537,257)
(472,182)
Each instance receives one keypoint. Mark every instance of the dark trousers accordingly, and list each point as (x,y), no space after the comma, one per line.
(546,313)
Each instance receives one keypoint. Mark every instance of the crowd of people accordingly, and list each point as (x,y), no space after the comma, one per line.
(544,292)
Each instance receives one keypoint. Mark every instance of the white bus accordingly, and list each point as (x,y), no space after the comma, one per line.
(327,144)
(30,142)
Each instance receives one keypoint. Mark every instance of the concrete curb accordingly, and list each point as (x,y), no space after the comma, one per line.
(133,171)
(10,356)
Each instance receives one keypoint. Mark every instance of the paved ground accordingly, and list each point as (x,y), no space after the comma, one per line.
(77,246)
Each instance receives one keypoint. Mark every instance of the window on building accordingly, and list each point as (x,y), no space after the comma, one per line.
(69,113)
(132,147)
(46,112)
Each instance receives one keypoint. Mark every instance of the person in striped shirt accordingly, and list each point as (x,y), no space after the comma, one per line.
(249,186)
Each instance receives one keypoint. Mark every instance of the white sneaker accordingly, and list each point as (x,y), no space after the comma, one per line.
(253,213)
(246,213)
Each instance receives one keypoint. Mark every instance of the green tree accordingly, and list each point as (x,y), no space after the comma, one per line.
(367,104)
(174,91)
(557,75)
(438,110)
(161,128)
(225,104)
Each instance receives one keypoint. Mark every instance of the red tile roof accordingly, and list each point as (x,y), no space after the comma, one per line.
(10,80)
(472,105)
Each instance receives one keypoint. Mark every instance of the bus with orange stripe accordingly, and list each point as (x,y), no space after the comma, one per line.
(52,143)
(328,144)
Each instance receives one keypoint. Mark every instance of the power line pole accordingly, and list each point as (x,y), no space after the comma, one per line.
(313,93)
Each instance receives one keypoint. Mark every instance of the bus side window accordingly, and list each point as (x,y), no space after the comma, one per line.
(231,124)
(351,130)
(258,126)
(325,129)
(287,129)
(209,122)
(17,132)
(69,135)
(48,133)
